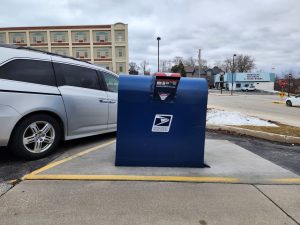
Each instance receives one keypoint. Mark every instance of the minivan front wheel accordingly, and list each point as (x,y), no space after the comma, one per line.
(35,137)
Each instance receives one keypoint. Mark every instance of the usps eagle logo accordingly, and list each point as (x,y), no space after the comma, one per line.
(162,123)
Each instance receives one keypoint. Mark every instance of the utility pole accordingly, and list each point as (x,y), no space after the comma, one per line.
(233,70)
(199,61)
(222,80)
(290,76)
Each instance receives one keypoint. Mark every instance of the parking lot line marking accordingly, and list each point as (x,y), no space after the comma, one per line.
(130,178)
(287,180)
(53,164)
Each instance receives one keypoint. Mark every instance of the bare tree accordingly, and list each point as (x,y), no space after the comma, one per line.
(189,62)
(133,68)
(165,65)
(227,65)
(203,63)
(177,60)
(242,63)
(143,66)
(220,65)
(147,72)
(245,63)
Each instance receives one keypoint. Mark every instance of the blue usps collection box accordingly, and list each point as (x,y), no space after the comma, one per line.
(161,121)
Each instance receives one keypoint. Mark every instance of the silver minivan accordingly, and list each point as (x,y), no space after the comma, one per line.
(45,98)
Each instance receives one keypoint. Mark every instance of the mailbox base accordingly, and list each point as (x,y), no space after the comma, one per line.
(139,163)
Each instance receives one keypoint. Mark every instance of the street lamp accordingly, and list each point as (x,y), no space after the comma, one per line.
(290,76)
(158,39)
(232,73)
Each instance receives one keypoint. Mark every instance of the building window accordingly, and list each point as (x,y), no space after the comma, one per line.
(120,35)
(120,67)
(61,51)
(18,38)
(103,53)
(107,66)
(120,51)
(102,36)
(2,38)
(80,36)
(59,37)
(81,53)
(238,85)
(38,37)
(41,49)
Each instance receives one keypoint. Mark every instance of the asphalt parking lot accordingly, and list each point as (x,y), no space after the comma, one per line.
(256,104)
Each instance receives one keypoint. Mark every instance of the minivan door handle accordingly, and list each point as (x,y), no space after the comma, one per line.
(104,101)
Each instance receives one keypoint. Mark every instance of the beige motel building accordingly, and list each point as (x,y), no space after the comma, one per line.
(103,45)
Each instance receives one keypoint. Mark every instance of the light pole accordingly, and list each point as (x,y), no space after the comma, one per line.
(232,73)
(290,76)
(158,39)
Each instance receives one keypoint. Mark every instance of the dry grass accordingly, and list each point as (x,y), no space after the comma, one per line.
(281,129)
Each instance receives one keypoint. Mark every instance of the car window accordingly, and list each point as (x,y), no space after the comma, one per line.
(25,70)
(76,76)
(111,82)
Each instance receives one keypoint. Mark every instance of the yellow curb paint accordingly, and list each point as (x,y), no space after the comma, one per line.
(53,164)
(287,180)
(129,178)
(277,102)
(12,182)
(78,177)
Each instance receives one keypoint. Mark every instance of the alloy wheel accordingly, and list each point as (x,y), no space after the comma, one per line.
(38,137)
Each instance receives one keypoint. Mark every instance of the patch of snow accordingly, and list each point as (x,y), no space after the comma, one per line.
(221,117)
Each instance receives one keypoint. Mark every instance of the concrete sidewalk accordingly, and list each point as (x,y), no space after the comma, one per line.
(228,162)
(115,202)
(85,189)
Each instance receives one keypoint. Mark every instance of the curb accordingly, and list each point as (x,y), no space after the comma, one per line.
(259,134)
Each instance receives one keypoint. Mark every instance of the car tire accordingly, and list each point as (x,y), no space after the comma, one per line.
(35,137)
(289,103)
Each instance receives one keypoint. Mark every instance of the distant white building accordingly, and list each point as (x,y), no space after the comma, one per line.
(261,81)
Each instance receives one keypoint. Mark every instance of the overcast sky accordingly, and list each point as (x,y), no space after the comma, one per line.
(268,30)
